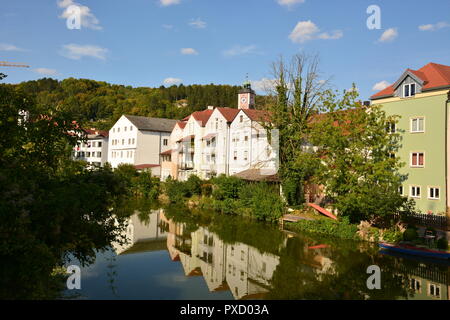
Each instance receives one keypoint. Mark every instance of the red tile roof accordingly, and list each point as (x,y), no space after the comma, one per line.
(433,75)
(201,116)
(181,124)
(229,113)
(166,153)
(257,115)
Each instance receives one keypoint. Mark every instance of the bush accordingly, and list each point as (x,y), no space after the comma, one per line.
(442,244)
(193,186)
(174,189)
(410,234)
(263,201)
(206,189)
(227,187)
(340,229)
(392,236)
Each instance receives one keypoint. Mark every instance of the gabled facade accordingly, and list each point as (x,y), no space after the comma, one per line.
(421,99)
(139,141)
(94,150)
(207,143)
(250,146)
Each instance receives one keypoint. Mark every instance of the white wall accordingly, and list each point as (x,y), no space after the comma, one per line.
(248,139)
(123,150)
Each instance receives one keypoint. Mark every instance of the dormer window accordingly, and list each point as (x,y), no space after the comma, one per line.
(409,90)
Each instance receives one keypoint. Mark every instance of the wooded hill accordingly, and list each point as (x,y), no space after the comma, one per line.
(100,104)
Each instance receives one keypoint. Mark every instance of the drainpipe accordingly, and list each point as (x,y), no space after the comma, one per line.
(446,161)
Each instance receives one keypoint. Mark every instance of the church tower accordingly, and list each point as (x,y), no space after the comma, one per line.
(246,97)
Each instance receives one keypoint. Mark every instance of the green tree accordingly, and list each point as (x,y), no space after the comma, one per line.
(358,164)
(51,207)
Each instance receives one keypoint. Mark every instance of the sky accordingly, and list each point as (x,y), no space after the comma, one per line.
(163,42)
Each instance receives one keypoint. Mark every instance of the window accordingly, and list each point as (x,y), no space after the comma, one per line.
(415,285)
(242,255)
(123,141)
(114,129)
(118,129)
(241,119)
(417,159)
(125,129)
(246,138)
(129,140)
(88,154)
(165,142)
(235,155)
(131,128)
(257,135)
(433,193)
(391,127)
(132,141)
(392,155)
(409,90)
(245,155)
(99,154)
(418,125)
(434,290)
(415,192)
(99,144)
(400,190)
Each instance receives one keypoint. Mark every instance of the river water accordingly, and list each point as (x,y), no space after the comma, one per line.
(172,255)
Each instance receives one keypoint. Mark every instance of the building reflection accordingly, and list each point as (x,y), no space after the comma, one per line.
(246,271)
(143,234)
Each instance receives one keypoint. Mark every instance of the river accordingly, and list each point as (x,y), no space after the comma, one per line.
(172,255)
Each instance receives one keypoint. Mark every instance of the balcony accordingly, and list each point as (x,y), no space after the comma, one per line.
(186,165)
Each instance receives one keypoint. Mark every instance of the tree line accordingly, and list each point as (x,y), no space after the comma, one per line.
(99,104)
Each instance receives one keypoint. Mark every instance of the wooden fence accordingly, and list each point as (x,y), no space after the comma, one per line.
(430,220)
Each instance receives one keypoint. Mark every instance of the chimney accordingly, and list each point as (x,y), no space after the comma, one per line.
(210,107)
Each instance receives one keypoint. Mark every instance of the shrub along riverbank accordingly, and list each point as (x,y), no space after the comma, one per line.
(228,195)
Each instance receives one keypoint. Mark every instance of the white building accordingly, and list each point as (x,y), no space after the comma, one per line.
(225,141)
(139,141)
(94,150)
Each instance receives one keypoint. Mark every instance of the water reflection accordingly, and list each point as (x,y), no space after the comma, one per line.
(255,261)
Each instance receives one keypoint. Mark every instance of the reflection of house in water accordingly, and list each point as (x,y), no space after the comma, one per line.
(429,281)
(240,268)
(143,234)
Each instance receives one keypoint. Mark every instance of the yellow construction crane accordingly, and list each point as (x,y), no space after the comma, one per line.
(8,64)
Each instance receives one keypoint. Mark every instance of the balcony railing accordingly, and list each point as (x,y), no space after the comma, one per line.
(186,166)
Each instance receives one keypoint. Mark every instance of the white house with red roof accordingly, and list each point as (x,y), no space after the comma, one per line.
(209,141)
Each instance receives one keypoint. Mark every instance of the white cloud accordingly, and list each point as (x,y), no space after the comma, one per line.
(76,51)
(381,85)
(46,71)
(189,51)
(263,85)
(166,3)
(172,81)
(434,27)
(87,18)
(9,47)
(197,23)
(240,50)
(307,30)
(389,35)
(289,3)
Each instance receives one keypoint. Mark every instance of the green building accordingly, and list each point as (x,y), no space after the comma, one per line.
(421,99)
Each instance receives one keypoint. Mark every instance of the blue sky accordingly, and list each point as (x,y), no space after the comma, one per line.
(152,42)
